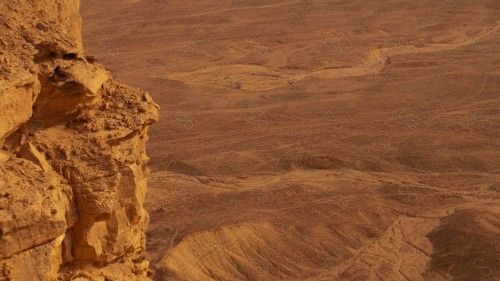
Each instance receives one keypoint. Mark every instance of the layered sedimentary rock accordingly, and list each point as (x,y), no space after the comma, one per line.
(72,159)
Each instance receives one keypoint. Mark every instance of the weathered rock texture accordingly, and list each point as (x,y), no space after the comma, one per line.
(72,160)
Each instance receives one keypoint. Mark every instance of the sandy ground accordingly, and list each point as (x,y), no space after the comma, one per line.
(314,139)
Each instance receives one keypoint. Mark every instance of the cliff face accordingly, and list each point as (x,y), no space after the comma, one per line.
(72,159)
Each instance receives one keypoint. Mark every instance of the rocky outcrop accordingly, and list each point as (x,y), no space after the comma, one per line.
(72,159)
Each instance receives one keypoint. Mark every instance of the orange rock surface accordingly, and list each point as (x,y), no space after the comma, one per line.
(73,163)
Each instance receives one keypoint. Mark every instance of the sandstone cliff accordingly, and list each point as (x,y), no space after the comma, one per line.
(72,159)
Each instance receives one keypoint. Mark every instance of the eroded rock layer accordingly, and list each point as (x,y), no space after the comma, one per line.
(72,160)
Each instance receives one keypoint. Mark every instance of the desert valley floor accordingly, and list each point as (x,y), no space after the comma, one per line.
(315,139)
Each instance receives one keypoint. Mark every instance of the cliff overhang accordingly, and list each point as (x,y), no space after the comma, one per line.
(72,153)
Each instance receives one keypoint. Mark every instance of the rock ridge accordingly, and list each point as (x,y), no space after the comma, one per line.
(72,159)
